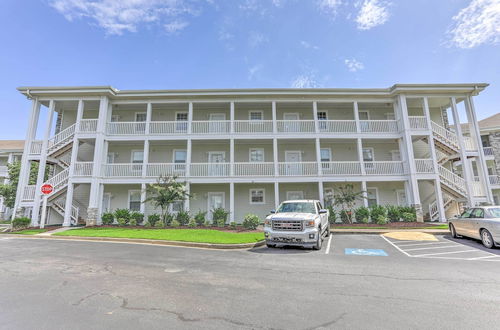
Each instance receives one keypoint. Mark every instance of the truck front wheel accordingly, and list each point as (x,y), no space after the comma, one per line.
(319,242)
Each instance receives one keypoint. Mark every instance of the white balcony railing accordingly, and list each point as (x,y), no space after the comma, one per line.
(29,193)
(493,178)
(168,127)
(36,147)
(384,168)
(341,168)
(337,126)
(418,122)
(445,135)
(298,168)
(296,126)
(254,169)
(469,143)
(424,165)
(488,151)
(126,128)
(253,126)
(88,126)
(83,168)
(378,126)
(172,169)
(122,170)
(478,189)
(451,179)
(209,169)
(211,126)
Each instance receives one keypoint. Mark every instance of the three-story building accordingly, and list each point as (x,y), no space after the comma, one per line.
(246,150)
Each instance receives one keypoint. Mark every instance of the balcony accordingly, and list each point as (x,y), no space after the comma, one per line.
(493,178)
(424,165)
(384,168)
(378,126)
(418,123)
(341,168)
(253,126)
(88,126)
(83,169)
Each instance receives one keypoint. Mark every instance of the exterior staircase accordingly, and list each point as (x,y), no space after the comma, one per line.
(434,210)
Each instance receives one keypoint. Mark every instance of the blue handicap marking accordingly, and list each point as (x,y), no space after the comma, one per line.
(366,252)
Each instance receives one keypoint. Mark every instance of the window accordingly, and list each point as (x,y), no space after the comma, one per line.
(177,206)
(477,213)
(256,155)
(291,195)
(134,200)
(390,116)
(297,207)
(106,202)
(326,155)
(257,196)
(372,196)
(466,213)
(322,116)
(180,156)
(182,121)
(140,116)
(111,157)
(255,115)
(115,118)
(137,156)
(368,154)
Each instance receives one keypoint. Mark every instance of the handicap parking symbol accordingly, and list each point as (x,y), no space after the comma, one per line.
(366,252)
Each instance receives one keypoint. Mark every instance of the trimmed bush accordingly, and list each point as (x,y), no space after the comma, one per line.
(159,224)
(393,213)
(122,221)
(132,222)
(381,219)
(200,218)
(332,216)
(153,219)
(192,223)
(219,216)
(362,214)
(376,211)
(123,214)
(182,217)
(137,216)
(206,223)
(175,223)
(251,221)
(168,219)
(409,217)
(148,224)
(233,225)
(22,222)
(107,218)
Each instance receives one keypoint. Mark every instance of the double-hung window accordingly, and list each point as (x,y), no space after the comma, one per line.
(181,119)
(322,117)
(368,158)
(326,157)
(255,115)
(137,160)
(256,155)
(134,200)
(257,196)
(372,196)
(180,160)
(140,118)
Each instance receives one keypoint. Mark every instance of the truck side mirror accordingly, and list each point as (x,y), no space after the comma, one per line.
(273,211)
(323,211)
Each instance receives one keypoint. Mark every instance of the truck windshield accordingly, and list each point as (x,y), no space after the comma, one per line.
(298,207)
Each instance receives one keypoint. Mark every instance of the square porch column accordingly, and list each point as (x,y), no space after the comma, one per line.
(231,202)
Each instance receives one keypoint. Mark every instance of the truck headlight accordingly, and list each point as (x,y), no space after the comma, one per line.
(309,223)
(267,223)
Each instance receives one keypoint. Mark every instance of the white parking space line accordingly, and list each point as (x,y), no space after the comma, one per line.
(397,247)
(417,244)
(329,244)
(435,254)
(435,247)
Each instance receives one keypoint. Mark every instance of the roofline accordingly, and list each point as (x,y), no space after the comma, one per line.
(30,91)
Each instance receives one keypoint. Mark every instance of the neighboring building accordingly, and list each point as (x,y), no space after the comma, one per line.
(10,151)
(248,149)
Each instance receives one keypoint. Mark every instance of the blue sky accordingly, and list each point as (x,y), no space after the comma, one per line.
(175,44)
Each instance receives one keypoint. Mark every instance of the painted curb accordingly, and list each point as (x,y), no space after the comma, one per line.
(149,241)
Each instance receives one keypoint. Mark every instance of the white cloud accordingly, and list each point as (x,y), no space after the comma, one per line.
(329,7)
(256,39)
(372,14)
(117,17)
(175,26)
(305,81)
(307,45)
(476,24)
(353,65)
(253,70)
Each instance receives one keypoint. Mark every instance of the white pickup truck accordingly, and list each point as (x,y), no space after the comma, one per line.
(297,222)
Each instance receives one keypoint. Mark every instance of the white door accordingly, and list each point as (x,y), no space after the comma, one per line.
(216,160)
(218,125)
(291,122)
(181,119)
(215,200)
(401,196)
(106,202)
(293,160)
(140,118)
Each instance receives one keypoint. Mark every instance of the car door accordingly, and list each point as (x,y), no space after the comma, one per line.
(475,222)
(460,222)
(323,217)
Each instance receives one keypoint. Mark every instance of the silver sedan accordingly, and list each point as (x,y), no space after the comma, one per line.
(479,223)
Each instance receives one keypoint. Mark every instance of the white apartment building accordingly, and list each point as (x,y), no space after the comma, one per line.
(248,149)
(10,152)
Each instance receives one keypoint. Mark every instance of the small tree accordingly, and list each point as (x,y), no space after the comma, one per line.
(165,192)
(346,198)
(8,191)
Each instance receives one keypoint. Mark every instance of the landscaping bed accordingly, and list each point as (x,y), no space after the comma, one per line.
(30,231)
(212,236)
(391,225)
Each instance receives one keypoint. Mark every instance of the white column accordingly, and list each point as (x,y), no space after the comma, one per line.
(25,163)
(431,136)
(275,124)
(231,117)
(321,193)
(42,165)
(315,114)
(439,200)
(145,160)
(68,205)
(356,117)
(482,167)
(190,118)
(359,143)
(365,193)
(466,169)
(275,157)
(231,157)
(318,157)
(188,158)
(231,202)
(143,198)
(187,203)
(276,195)
(101,196)
(149,112)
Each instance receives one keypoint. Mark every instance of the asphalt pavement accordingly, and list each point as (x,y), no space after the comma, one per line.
(355,282)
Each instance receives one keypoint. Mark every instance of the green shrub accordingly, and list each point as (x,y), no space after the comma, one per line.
(137,216)
(332,216)
(376,211)
(148,224)
(107,218)
(182,217)
(123,214)
(362,214)
(251,221)
(409,217)
(345,216)
(192,223)
(132,222)
(122,221)
(200,218)
(233,225)
(153,219)
(175,223)
(159,224)
(381,219)
(167,221)
(206,223)
(219,216)
(220,222)
(393,213)
(22,222)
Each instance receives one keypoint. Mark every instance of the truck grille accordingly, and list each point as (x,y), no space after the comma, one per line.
(287,225)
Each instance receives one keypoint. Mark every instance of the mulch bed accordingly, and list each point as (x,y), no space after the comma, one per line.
(226,229)
(389,225)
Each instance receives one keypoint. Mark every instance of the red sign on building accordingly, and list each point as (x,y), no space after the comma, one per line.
(47,189)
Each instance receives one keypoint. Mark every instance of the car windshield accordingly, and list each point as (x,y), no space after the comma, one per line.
(495,212)
(298,207)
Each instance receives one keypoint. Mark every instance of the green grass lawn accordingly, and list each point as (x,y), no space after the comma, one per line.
(32,231)
(184,235)
(5,222)
(444,226)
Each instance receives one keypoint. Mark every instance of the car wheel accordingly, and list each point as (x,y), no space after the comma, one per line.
(487,239)
(271,245)
(319,242)
(453,231)
(328,232)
